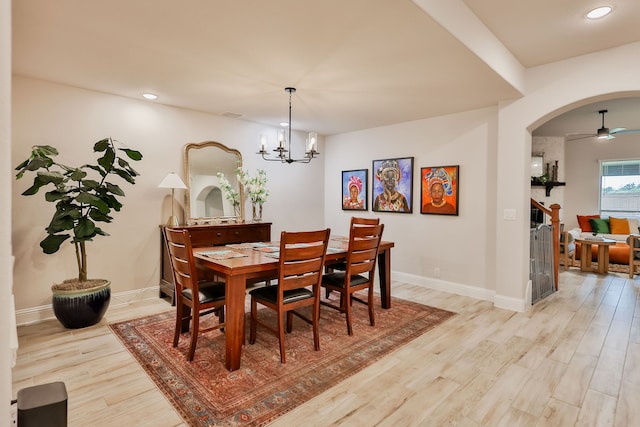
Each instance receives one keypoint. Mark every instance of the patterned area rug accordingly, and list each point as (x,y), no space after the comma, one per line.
(206,394)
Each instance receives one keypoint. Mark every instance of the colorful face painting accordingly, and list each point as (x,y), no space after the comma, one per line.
(354,190)
(439,190)
(393,185)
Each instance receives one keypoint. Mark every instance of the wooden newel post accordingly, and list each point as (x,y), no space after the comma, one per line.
(555,223)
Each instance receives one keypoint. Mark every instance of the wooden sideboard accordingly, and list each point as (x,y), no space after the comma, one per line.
(210,235)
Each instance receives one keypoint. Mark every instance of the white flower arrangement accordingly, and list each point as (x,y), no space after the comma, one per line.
(229,192)
(256,187)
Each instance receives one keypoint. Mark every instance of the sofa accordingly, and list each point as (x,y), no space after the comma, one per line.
(618,229)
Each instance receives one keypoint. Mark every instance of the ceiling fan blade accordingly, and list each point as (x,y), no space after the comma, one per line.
(616,130)
(623,131)
(577,136)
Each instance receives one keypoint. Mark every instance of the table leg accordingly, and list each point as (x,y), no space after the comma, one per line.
(234,330)
(585,257)
(603,259)
(384,273)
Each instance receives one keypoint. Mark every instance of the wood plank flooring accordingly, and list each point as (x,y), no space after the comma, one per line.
(573,359)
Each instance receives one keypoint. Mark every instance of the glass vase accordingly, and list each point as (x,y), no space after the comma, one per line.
(257,212)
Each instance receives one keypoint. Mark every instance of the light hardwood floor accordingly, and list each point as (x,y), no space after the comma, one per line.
(573,359)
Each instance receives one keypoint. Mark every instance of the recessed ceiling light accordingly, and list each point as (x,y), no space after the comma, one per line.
(150,96)
(599,12)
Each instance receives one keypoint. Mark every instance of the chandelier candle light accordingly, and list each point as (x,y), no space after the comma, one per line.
(284,153)
(172,181)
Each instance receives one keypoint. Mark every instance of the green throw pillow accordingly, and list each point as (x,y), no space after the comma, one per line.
(600,225)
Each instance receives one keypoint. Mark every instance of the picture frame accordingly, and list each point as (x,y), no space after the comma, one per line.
(355,190)
(439,193)
(392,188)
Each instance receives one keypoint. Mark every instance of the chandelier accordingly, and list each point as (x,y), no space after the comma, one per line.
(283,151)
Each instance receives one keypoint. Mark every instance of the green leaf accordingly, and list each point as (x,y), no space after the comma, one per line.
(84,229)
(101,145)
(98,169)
(96,215)
(113,188)
(38,163)
(112,202)
(52,242)
(77,174)
(90,199)
(47,177)
(22,165)
(37,183)
(45,150)
(54,195)
(91,184)
(125,175)
(100,232)
(107,160)
(132,154)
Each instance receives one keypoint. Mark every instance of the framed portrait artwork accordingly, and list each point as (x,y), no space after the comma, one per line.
(439,190)
(355,190)
(392,189)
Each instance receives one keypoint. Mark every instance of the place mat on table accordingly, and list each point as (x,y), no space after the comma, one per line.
(267,249)
(248,245)
(222,254)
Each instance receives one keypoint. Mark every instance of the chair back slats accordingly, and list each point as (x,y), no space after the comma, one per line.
(181,255)
(364,243)
(364,221)
(302,258)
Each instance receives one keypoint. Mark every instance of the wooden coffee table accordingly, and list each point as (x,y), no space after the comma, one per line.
(603,254)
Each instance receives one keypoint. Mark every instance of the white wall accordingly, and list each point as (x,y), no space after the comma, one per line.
(460,247)
(72,120)
(6,276)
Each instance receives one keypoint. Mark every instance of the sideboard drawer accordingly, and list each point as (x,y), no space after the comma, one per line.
(246,234)
(209,237)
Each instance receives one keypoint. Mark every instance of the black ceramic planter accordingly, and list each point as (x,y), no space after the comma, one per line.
(81,308)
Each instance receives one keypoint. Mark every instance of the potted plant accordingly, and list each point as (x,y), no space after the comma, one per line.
(83,196)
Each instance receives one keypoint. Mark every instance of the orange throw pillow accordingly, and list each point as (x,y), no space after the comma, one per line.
(619,225)
(583,222)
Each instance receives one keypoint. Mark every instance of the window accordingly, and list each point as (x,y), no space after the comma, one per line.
(620,188)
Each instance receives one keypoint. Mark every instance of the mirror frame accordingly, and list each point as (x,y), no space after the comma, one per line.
(207,220)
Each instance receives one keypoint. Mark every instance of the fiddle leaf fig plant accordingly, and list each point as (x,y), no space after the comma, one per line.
(83,195)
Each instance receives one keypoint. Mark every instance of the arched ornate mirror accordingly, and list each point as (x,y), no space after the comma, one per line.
(205,199)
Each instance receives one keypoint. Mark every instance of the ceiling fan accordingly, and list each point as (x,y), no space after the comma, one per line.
(603,133)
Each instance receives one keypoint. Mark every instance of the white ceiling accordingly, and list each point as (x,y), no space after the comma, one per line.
(356,64)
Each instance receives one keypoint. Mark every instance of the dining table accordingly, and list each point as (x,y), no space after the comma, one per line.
(243,262)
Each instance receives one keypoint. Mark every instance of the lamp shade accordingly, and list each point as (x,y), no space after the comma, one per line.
(172,180)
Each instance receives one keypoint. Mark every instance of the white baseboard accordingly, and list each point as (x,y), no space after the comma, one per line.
(45,312)
(499,301)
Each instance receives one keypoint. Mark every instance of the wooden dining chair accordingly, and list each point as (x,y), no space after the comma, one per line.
(359,273)
(194,298)
(301,260)
(341,264)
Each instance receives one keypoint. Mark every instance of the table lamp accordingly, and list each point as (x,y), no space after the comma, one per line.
(172,181)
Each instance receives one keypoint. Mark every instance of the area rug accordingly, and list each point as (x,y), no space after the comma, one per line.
(613,268)
(205,394)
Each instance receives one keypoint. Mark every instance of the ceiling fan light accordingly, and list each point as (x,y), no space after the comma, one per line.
(603,133)
(599,12)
